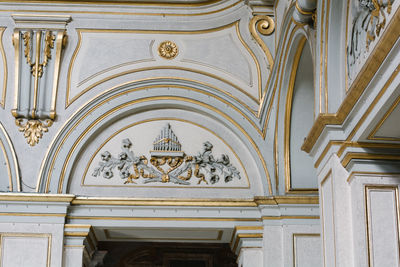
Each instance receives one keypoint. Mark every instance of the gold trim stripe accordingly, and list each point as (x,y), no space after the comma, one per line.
(162,219)
(361,82)
(124,13)
(372,136)
(36,197)
(290,217)
(354,155)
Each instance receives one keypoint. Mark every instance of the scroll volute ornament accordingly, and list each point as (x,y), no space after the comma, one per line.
(37,64)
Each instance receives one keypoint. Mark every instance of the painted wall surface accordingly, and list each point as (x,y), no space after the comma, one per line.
(267,125)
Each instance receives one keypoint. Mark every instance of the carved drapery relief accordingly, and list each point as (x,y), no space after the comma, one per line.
(168,163)
(38,42)
(370,19)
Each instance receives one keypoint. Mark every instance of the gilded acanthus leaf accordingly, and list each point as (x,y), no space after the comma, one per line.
(33,129)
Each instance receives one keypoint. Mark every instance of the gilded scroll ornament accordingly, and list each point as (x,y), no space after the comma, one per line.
(265,25)
(33,129)
(168,50)
(168,163)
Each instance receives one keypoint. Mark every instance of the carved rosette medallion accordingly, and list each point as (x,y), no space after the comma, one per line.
(168,50)
(167,164)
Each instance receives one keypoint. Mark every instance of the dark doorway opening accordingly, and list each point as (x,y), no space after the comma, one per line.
(154,254)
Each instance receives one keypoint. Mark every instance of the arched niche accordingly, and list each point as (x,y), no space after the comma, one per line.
(140,113)
(300,173)
(9,172)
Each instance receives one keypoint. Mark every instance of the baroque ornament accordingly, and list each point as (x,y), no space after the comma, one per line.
(33,129)
(37,67)
(168,163)
(368,24)
(168,50)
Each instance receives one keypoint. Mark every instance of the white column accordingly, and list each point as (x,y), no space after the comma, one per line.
(336,218)
(79,245)
(250,257)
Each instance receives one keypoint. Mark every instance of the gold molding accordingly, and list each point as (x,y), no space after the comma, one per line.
(124,13)
(14,157)
(161,119)
(36,235)
(61,180)
(123,2)
(372,136)
(3,55)
(69,101)
(25,214)
(8,166)
(367,203)
(211,219)
(363,173)
(368,156)
(264,47)
(291,217)
(275,148)
(36,197)
(243,235)
(276,200)
(287,122)
(361,82)
(347,144)
(325,151)
(165,202)
(257,201)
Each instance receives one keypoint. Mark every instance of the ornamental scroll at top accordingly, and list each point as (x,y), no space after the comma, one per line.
(370,17)
(167,164)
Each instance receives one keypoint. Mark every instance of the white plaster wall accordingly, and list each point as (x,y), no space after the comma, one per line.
(292,244)
(31,244)
(336,216)
(375,209)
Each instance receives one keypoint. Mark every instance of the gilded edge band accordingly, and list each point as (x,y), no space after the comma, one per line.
(74,200)
(372,135)
(183,14)
(5,69)
(368,223)
(363,78)
(287,130)
(62,175)
(69,101)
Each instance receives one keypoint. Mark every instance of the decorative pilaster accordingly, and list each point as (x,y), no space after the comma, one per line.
(38,43)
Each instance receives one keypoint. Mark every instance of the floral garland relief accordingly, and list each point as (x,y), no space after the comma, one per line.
(168,163)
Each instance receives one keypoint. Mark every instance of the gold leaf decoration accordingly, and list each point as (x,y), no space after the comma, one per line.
(168,50)
(33,129)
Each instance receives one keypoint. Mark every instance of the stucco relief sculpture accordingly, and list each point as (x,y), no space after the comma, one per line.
(369,22)
(168,163)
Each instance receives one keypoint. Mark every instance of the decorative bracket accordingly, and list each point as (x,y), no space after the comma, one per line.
(38,43)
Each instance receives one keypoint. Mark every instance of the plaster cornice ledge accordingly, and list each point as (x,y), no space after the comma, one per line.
(36,197)
(363,79)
